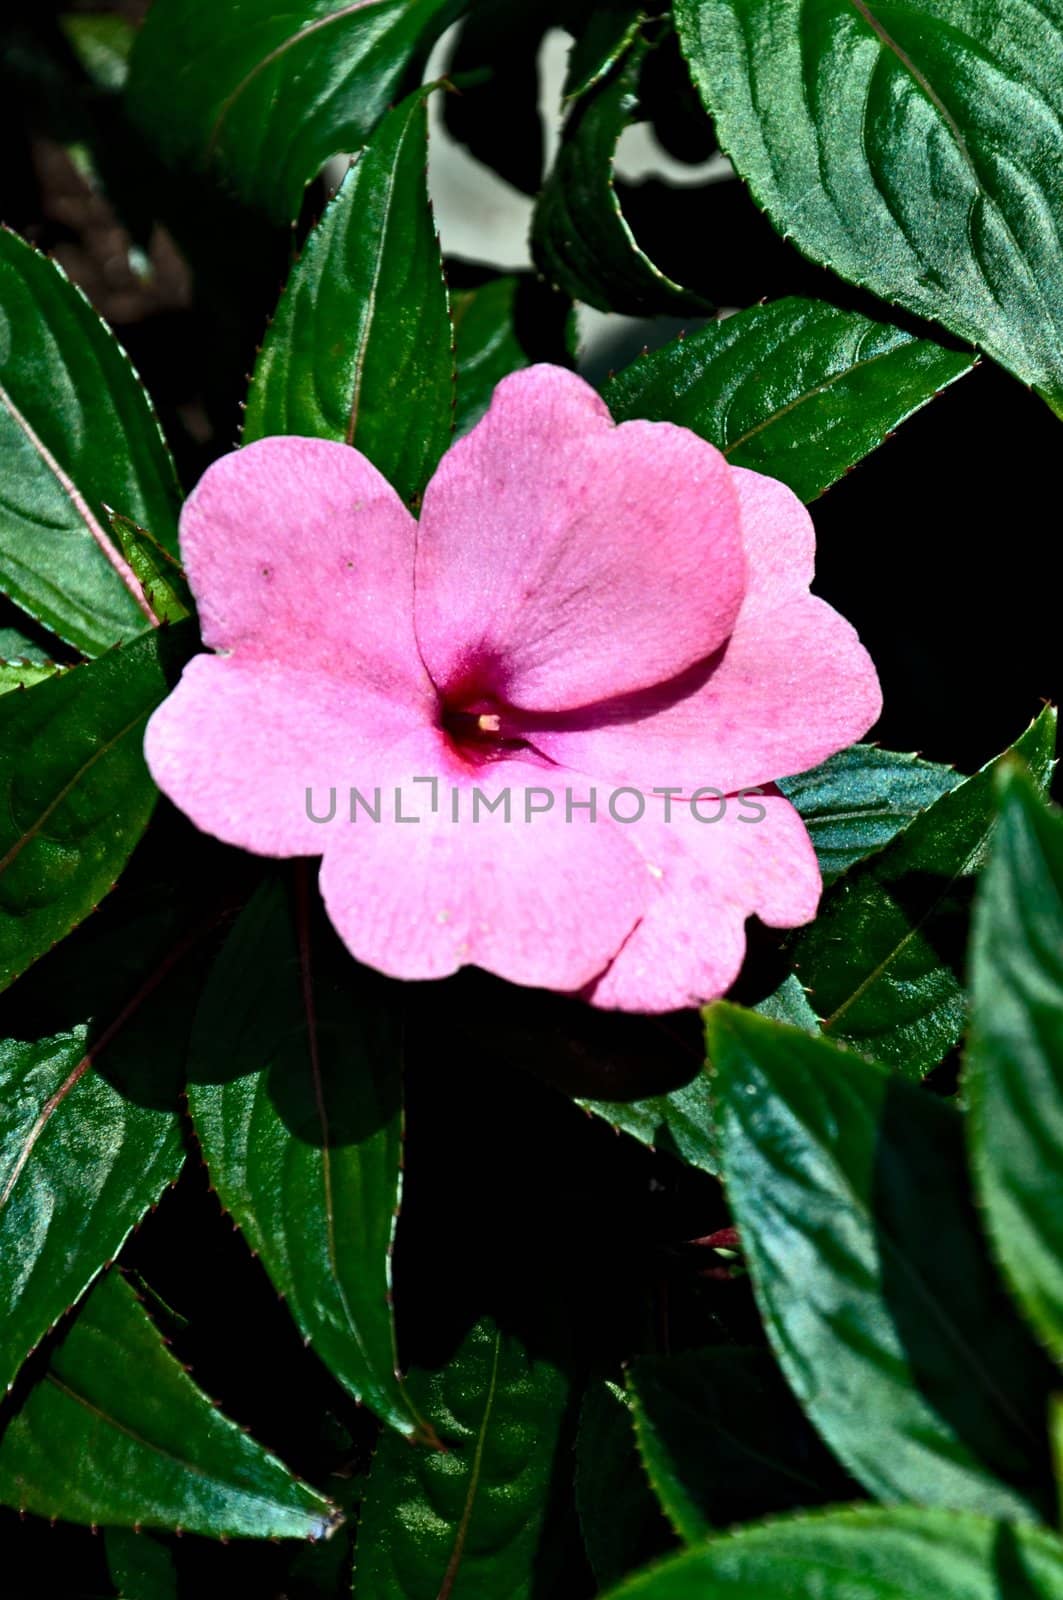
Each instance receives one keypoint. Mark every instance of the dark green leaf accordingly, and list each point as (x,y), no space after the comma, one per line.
(681,129)
(361,348)
(621,1522)
(102,43)
(486,345)
(269,93)
(800,390)
(908,148)
(860,799)
(296,1096)
(322,1571)
(140,1566)
(600,41)
(75,794)
(91,1133)
(629,1062)
(788,1003)
(116,1433)
(722,1440)
(849,1190)
(580,239)
(78,434)
(1015,1060)
(500,326)
(680,1122)
(884,959)
(900,1554)
(18,646)
(468,1519)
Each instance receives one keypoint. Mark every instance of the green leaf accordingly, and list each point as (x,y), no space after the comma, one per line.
(799,389)
(905,147)
(787,1003)
(115,1433)
(884,958)
(102,43)
(23,674)
(871,1554)
(18,646)
(268,93)
(140,1567)
(91,1134)
(160,575)
(1015,1058)
(361,348)
(606,35)
(322,1571)
(891,1329)
(857,801)
(296,1095)
(500,326)
(620,1520)
(77,434)
(680,1122)
(486,346)
(75,794)
(580,239)
(1055,1424)
(467,1519)
(763,1455)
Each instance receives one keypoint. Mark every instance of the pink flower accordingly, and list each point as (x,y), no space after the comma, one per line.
(582,609)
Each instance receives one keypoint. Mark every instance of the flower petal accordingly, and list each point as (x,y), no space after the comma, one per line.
(707,878)
(562,559)
(546,903)
(298,549)
(237,745)
(779,540)
(792,686)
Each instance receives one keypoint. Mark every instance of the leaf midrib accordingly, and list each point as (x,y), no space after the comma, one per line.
(366,328)
(811,394)
(275,54)
(97,755)
(901,1259)
(458,1549)
(306,982)
(915,928)
(94,1051)
(252,1496)
(80,505)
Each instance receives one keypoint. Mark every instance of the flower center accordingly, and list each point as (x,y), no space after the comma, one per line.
(481,732)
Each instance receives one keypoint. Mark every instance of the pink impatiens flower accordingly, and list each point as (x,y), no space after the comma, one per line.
(583,614)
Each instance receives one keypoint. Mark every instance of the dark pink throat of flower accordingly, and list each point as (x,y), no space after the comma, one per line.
(481,732)
(481,727)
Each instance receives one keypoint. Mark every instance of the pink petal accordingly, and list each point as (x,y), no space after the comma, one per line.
(237,745)
(546,904)
(562,559)
(707,878)
(779,540)
(792,686)
(298,549)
